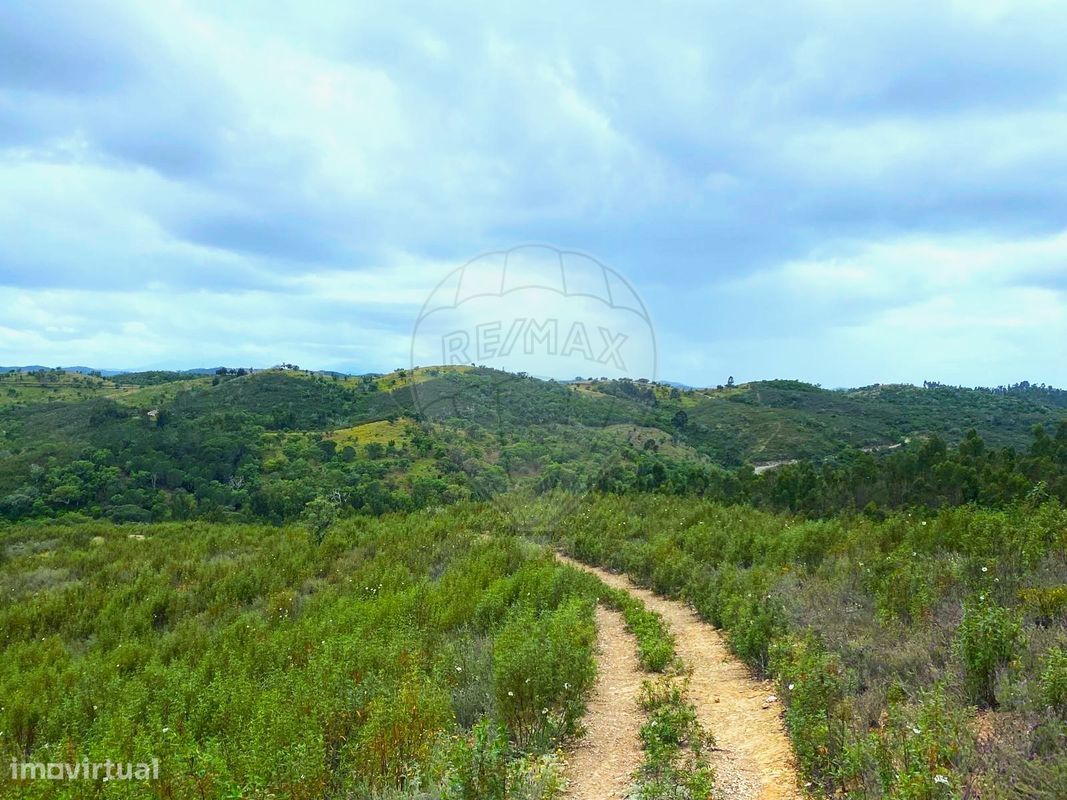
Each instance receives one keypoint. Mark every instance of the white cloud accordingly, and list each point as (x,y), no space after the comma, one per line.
(250,180)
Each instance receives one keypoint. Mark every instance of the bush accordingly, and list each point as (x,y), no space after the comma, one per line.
(1054,681)
(987,639)
(480,764)
(675,765)
(815,691)
(542,669)
(1045,605)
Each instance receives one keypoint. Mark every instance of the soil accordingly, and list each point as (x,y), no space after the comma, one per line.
(753,759)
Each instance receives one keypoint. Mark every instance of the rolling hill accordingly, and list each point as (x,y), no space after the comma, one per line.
(145,446)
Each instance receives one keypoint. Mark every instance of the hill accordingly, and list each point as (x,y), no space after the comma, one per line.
(262,444)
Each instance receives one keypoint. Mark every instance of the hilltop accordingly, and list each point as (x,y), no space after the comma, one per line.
(154,445)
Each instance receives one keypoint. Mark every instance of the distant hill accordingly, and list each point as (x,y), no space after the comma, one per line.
(264,442)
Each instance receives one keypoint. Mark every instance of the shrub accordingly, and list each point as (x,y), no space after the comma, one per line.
(1054,681)
(675,765)
(1045,605)
(480,764)
(815,686)
(542,669)
(987,639)
(922,746)
(401,725)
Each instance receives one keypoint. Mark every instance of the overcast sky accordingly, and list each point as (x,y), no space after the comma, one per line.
(842,192)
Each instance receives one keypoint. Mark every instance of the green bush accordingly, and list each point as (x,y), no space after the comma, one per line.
(987,639)
(542,668)
(480,764)
(1054,681)
(675,765)
(815,688)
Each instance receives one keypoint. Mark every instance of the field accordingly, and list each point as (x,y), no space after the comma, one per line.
(430,652)
(285,584)
(919,656)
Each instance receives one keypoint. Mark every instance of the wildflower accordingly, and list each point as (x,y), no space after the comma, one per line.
(942,779)
(459,668)
(511,694)
(790,687)
(916,730)
(985,569)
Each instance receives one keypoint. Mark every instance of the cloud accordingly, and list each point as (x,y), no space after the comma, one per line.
(727,159)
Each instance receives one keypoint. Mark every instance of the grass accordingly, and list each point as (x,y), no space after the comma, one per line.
(382,432)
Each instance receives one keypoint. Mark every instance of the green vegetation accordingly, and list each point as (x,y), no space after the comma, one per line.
(675,744)
(259,446)
(307,603)
(917,655)
(251,662)
(428,652)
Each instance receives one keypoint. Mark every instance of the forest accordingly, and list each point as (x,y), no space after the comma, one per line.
(260,446)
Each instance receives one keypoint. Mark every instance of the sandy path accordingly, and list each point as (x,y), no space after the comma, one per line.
(754,760)
(601,766)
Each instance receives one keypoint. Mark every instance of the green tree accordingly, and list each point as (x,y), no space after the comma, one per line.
(319,515)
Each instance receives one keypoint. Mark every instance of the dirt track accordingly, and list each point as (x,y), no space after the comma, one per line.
(754,760)
(601,766)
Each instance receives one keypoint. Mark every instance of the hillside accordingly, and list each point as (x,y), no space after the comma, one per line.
(154,446)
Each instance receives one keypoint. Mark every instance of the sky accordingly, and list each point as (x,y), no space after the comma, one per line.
(841,192)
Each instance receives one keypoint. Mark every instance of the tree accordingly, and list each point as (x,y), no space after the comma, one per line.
(730,382)
(319,515)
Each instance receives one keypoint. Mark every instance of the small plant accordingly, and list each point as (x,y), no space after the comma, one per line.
(675,765)
(480,764)
(1054,681)
(987,639)
(1045,605)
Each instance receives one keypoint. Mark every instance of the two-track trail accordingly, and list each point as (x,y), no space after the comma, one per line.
(602,765)
(753,758)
